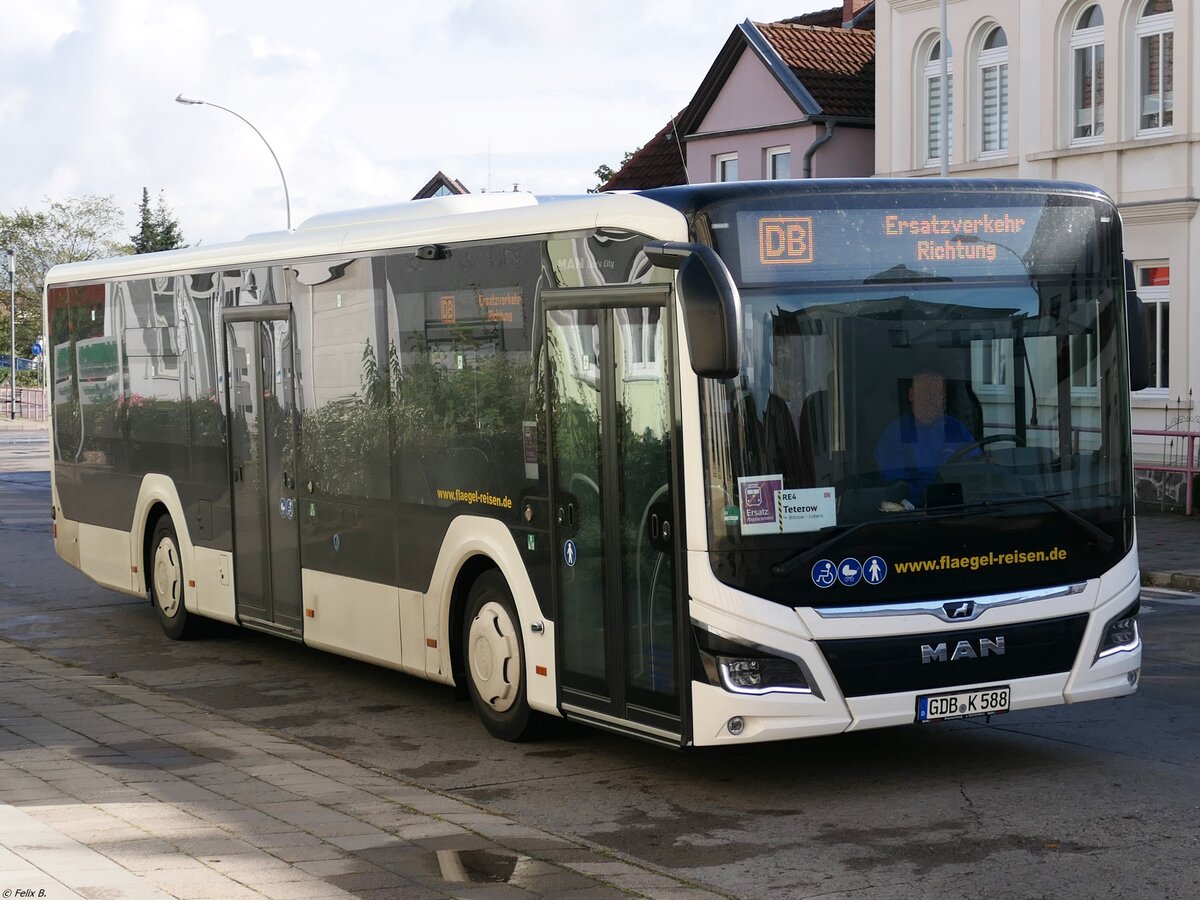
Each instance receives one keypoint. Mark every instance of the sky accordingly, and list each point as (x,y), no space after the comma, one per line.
(362,101)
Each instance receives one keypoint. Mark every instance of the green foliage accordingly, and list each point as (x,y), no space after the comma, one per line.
(70,230)
(604,172)
(421,408)
(158,229)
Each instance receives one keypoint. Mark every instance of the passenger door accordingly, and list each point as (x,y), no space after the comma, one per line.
(262,444)
(613,504)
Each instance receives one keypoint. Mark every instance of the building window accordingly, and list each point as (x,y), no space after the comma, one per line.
(1156,44)
(779,162)
(1087,76)
(1154,288)
(934,106)
(993,92)
(726,166)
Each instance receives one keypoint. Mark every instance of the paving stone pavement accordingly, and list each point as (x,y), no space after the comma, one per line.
(109,790)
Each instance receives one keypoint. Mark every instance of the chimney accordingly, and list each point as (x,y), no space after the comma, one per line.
(850,9)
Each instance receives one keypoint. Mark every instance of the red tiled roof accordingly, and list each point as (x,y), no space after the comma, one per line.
(835,65)
(658,164)
(827,18)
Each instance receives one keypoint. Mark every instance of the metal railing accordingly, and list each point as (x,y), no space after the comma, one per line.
(1177,458)
(31,403)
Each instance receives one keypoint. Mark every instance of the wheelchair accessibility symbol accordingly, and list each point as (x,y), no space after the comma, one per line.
(824,573)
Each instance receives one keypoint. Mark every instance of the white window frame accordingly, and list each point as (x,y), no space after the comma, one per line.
(1083,40)
(1158,297)
(773,154)
(720,165)
(1146,29)
(993,61)
(931,76)
(643,345)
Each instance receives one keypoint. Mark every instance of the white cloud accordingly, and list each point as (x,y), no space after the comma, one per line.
(362,100)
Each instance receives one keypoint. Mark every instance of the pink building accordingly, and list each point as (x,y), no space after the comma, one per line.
(791,99)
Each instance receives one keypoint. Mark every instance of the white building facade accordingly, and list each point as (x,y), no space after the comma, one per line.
(1100,91)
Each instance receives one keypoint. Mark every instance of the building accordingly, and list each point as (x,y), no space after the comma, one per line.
(441,185)
(1081,90)
(784,99)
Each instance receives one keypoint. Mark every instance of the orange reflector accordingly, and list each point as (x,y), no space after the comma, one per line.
(431,642)
(134,568)
(191,582)
(541,670)
(54,531)
(311,613)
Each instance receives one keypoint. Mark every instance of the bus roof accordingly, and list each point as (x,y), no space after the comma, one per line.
(432,221)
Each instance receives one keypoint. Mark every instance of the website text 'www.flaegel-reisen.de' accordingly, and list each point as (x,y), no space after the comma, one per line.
(974,563)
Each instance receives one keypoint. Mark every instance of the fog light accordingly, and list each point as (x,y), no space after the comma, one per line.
(736,725)
(1133,677)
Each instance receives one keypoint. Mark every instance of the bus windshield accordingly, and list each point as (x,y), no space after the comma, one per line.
(932,400)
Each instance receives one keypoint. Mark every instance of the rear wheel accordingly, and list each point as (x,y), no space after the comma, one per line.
(495,659)
(166,583)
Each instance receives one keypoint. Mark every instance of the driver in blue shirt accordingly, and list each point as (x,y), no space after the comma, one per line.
(917,444)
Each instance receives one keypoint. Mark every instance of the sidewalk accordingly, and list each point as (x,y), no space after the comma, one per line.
(19,424)
(109,790)
(1169,550)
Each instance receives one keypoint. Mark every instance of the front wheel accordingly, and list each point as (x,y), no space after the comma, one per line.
(495,659)
(166,583)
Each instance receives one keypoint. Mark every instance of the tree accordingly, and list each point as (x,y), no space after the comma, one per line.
(158,229)
(605,172)
(70,230)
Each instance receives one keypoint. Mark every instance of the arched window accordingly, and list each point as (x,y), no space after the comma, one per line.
(1155,32)
(934,106)
(993,94)
(1087,76)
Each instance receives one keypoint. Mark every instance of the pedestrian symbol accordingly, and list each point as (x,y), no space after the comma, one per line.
(874,569)
(569,554)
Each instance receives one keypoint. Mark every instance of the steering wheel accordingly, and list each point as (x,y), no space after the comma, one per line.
(961,452)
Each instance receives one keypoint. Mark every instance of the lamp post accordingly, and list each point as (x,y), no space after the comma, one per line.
(191,101)
(12,333)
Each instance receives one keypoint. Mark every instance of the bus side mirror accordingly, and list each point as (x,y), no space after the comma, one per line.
(711,305)
(1135,318)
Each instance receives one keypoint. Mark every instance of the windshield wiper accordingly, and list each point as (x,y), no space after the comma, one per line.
(1097,535)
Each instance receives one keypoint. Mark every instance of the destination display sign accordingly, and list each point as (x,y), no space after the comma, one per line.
(896,245)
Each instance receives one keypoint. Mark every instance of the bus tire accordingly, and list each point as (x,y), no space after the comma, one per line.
(495,659)
(167,583)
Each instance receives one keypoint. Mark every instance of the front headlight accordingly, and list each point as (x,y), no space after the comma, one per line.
(743,669)
(1121,634)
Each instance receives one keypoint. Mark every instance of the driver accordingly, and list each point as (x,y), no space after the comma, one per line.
(914,446)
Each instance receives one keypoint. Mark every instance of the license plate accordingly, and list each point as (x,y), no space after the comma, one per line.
(963,704)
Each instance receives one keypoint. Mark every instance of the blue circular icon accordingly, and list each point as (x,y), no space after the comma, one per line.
(849,571)
(569,553)
(874,569)
(824,573)
(337,543)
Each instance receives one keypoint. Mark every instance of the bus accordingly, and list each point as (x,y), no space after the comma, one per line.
(703,465)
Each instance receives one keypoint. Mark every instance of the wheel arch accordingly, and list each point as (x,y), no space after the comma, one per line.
(158,496)
(474,545)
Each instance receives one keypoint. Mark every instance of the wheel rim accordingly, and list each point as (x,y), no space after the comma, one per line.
(167,577)
(495,657)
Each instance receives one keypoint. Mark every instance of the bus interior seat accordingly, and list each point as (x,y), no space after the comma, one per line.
(816,446)
(783,451)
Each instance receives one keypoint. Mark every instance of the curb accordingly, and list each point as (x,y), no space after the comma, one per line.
(1180,581)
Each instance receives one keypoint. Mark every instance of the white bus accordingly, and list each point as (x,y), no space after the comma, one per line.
(704,465)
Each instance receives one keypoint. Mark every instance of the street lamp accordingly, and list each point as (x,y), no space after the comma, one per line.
(12,333)
(190,101)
